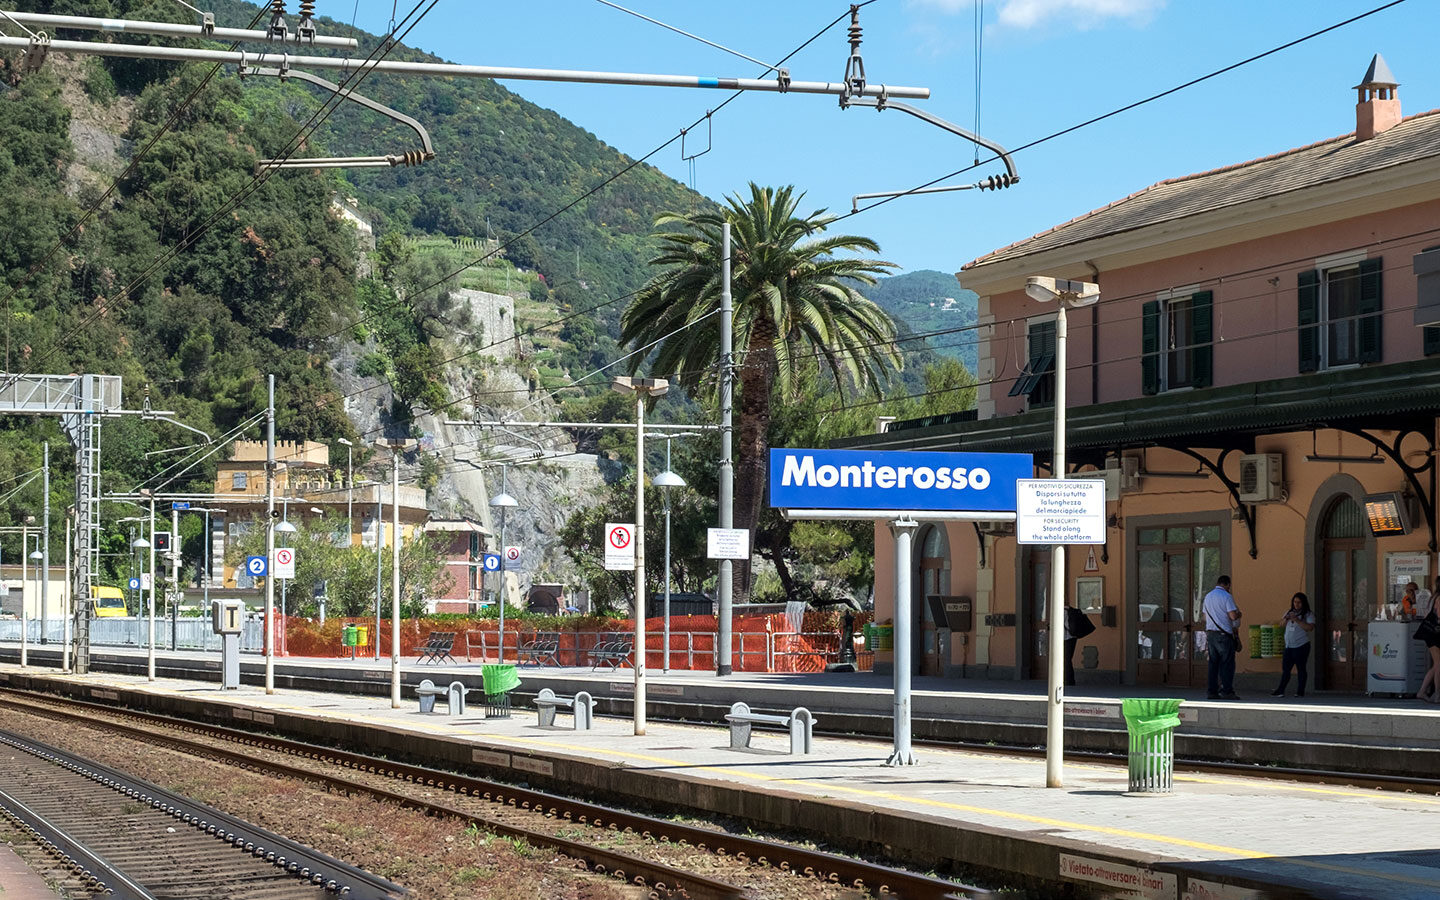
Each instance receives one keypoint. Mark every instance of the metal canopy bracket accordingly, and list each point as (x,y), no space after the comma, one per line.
(1411,473)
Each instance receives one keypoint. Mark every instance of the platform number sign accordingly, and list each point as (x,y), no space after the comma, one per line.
(491,562)
(619,546)
(134,584)
(256,566)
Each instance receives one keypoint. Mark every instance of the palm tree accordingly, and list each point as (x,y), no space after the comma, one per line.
(794,301)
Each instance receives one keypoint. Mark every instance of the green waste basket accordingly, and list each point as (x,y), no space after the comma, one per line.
(349,636)
(1151,725)
(499,679)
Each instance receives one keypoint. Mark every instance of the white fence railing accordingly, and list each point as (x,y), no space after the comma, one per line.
(131,631)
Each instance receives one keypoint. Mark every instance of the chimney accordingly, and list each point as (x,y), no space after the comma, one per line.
(1378,108)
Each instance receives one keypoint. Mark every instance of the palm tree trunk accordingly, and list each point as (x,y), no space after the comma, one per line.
(757,378)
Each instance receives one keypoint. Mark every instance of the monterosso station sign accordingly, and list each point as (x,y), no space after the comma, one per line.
(896,480)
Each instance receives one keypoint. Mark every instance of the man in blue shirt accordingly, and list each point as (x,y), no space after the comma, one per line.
(1222,626)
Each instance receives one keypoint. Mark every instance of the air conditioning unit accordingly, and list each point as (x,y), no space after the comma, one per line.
(1126,474)
(1260,477)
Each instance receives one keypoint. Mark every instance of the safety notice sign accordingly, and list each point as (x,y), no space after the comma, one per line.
(284,562)
(619,546)
(1060,511)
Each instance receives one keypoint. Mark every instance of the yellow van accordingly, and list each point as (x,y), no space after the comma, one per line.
(108,601)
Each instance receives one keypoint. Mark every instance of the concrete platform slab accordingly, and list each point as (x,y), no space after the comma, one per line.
(1214,836)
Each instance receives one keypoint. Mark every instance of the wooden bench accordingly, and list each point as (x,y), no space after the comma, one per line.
(610,653)
(437,647)
(582,705)
(454,696)
(541,651)
(800,722)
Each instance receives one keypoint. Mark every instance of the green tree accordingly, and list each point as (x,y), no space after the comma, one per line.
(794,299)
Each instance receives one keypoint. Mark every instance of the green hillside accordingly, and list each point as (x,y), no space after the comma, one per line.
(927,301)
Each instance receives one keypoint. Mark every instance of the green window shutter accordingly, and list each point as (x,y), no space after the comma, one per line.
(1150,347)
(1202,358)
(1309,315)
(1371,302)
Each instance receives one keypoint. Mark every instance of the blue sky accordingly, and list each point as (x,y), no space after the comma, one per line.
(1047,65)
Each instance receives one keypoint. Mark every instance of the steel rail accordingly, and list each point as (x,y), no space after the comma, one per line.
(451,70)
(287,855)
(829,867)
(174,29)
(99,874)
(665,880)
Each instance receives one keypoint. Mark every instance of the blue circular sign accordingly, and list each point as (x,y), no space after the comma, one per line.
(492,562)
(255,565)
(134,584)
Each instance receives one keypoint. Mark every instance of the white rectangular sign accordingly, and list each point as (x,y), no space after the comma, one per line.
(1125,881)
(1060,511)
(728,543)
(284,565)
(620,546)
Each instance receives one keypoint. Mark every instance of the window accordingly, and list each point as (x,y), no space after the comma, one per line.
(1339,313)
(1037,382)
(239,481)
(1175,341)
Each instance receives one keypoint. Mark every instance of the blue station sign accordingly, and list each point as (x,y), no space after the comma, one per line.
(896,479)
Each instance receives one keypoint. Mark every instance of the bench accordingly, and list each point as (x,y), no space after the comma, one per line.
(610,653)
(437,647)
(454,696)
(582,705)
(800,722)
(541,651)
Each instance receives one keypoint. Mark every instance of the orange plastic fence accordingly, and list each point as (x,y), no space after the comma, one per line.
(762,643)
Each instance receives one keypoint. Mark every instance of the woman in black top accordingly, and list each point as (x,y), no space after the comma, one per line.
(1430,687)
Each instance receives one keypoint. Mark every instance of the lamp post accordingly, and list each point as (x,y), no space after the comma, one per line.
(284,529)
(667,480)
(35,557)
(379,561)
(641,388)
(1065,295)
(154,584)
(396,445)
(503,501)
(349,489)
(137,551)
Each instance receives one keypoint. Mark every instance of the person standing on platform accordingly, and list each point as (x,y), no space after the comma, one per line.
(1430,687)
(1222,638)
(1299,622)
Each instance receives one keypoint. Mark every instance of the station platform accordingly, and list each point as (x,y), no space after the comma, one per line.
(987,815)
(1321,732)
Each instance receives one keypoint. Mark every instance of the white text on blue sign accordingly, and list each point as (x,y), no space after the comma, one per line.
(898,480)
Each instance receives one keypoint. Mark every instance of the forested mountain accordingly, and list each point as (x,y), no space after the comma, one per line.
(926,301)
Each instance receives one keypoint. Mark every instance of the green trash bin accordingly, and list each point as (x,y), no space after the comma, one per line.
(1151,725)
(349,636)
(499,679)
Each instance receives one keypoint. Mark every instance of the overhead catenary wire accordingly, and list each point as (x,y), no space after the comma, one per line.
(1129,106)
(297,140)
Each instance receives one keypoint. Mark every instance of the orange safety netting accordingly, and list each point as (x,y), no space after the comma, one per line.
(761,643)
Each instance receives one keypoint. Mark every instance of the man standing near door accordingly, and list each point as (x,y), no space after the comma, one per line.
(1222,638)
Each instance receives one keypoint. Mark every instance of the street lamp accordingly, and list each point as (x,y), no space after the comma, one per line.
(667,480)
(35,557)
(284,529)
(1065,295)
(503,501)
(641,388)
(137,556)
(397,446)
(349,488)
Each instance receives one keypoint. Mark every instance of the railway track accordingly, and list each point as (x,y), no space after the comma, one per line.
(117,836)
(415,787)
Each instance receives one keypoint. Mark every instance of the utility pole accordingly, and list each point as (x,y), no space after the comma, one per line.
(639,657)
(379,561)
(395,577)
(154,584)
(727,467)
(69,594)
(45,551)
(174,577)
(270,540)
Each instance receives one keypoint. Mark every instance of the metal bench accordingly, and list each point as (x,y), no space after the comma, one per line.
(800,722)
(582,705)
(610,653)
(541,651)
(454,697)
(437,647)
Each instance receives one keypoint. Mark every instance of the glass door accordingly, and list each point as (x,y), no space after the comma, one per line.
(1176,567)
(1348,605)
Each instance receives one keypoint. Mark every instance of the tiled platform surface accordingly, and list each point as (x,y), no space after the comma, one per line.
(1233,837)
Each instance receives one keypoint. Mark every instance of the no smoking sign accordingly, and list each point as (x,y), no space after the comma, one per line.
(619,546)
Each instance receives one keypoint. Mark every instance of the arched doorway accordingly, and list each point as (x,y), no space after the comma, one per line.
(933,580)
(1347,593)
